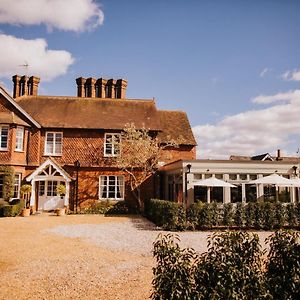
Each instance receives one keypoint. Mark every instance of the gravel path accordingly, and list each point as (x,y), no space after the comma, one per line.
(134,236)
(80,257)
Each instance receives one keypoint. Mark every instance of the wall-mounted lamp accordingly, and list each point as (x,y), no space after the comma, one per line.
(188,166)
(295,170)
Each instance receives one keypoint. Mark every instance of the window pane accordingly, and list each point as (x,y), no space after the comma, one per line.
(111,187)
(19,138)
(4,137)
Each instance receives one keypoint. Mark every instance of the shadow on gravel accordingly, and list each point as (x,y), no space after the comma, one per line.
(141,223)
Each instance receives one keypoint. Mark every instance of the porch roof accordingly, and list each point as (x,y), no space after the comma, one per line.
(50,162)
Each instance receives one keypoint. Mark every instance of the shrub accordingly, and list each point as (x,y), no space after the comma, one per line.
(268,219)
(231,268)
(283,268)
(258,215)
(120,208)
(215,214)
(228,214)
(8,181)
(239,215)
(173,275)
(291,215)
(249,214)
(205,215)
(279,215)
(11,210)
(100,207)
(166,214)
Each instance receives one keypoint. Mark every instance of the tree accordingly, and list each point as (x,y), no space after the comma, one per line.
(140,154)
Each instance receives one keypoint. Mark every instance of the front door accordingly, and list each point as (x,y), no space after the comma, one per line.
(48,199)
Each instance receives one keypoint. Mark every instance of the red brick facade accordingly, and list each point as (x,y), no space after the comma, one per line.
(85,145)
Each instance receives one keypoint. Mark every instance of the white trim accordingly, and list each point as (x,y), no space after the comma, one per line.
(122,187)
(23,134)
(8,129)
(18,107)
(54,147)
(112,144)
(35,175)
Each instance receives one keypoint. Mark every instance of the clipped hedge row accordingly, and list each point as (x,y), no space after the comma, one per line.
(166,214)
(259,215)
(7,210)
(233,268)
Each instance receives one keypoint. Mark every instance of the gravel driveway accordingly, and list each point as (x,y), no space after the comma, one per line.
(81,257)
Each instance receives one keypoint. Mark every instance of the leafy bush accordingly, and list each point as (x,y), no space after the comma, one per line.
(100,207)
(173,275)
(166,214)
(8,181)
(228,214)
(120,208)
(239,215)
(291,215)
(283,267)
(231,268)
(249,214)
(11,210)
(279,215)
(268,219)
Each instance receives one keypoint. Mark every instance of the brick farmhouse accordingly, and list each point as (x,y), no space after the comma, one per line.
(53,140)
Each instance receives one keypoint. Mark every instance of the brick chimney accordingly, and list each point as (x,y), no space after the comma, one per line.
(101,88)
(24,86)
(120,88)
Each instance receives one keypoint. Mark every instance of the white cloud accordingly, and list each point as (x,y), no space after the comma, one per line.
(264,72)
(73,15)
(252,132)
(291,75)
(42,61)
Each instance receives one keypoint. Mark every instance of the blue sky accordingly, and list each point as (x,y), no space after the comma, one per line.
(233,66)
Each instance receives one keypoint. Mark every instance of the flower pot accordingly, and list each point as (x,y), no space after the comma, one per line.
(25,212)
(60,211)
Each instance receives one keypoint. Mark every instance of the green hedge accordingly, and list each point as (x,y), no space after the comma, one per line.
(258,215)
(233,268)
(166,214)
(7,210)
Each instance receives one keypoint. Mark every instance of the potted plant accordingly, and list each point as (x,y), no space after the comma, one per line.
(25,194)
(61,190)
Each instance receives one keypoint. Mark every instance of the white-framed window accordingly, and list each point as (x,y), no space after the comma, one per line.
(17,185)
(111,187)
(53,143)
(51,188)
(19,138)
(41,188)
(4,137)
(112,144)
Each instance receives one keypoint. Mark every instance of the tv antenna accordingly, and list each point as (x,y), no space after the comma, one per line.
(25,66)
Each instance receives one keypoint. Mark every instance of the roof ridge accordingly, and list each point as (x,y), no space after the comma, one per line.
(84,98)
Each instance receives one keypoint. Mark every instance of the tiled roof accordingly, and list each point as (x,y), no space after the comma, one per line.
(11,118)
(90,113)
(175,124)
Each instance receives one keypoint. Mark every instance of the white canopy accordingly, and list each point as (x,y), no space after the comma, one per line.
(212,181)
(273,179)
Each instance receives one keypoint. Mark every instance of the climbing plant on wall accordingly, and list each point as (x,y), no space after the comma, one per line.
(8,174)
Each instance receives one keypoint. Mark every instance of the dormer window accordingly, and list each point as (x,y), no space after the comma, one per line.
(112,144)
(53,143)
(19,138)
(3,137)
